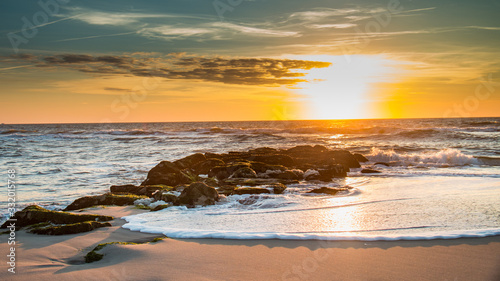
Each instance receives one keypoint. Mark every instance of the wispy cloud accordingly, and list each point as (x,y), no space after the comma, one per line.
(111,18)
(96,36)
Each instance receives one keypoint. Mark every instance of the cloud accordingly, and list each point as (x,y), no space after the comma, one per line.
(335,25)
(241,71)
(110,18)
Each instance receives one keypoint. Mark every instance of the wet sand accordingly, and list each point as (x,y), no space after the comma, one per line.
(41,257)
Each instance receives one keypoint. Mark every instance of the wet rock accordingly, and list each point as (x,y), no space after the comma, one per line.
(244,172)
(273,159)
(333,171)
(34,214)
(306,154)
(226,190)
(210,155)
(251,190)
(190,161)
(105,199)
(360,158)
(260,167)
(287,175)
(370,171)
(346,158)
(165,196)
(383,163)
(278,188)
(198,193)
(204,167)
(128,188)
(257,181)
(69,228)
(146,190)
(327,190)
(166,173)
(219,172)
(160,207)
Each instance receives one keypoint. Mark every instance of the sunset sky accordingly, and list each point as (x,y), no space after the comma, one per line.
(202,60)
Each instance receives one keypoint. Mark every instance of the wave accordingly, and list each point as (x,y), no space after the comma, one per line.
(137,224)
(14,131)
(444,157)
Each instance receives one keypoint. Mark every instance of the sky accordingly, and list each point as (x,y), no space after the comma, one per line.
(70,61)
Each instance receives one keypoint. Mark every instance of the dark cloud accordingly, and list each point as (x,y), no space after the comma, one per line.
(246,71)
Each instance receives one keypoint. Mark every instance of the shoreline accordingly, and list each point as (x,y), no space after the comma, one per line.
(43,257)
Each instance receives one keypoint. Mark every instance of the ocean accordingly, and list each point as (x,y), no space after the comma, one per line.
(443,180)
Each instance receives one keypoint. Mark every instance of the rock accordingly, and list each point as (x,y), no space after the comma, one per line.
(370,171)
(278,188)
(219,172)
(105,199)
(169,198)
(327,190)
(198,193)
(34,214)
(204,167)
(236,166)
(69,228)
(332,171)
(190,161)
(128,188)
(251,190)
(245,172)
(146,190)
(287,175)
(346,158)
(209,155)
(160,207)
(256,181)
(226,190)
(360,158)
(383,163)
(263,150)
(260,167)
(166,173)
(165,196)
(306,154)
(274,159)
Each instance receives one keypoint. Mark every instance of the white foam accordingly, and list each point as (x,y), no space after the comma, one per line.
(135,225)
(448,156)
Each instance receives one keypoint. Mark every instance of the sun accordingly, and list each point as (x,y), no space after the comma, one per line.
(342,90)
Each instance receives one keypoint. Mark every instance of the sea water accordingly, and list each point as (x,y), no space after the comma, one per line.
(443,180)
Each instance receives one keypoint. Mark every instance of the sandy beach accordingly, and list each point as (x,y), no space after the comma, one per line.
(41,257)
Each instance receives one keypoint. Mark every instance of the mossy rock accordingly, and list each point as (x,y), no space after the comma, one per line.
(34,214)
(160,207)
(68,228)
(251,190)
(93,256)
(245,172)
(105,199)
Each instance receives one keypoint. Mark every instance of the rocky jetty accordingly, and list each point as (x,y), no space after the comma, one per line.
(200,178)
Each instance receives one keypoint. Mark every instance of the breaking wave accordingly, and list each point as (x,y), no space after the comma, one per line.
(450,157)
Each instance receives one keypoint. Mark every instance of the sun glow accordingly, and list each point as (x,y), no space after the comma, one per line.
(342,91)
